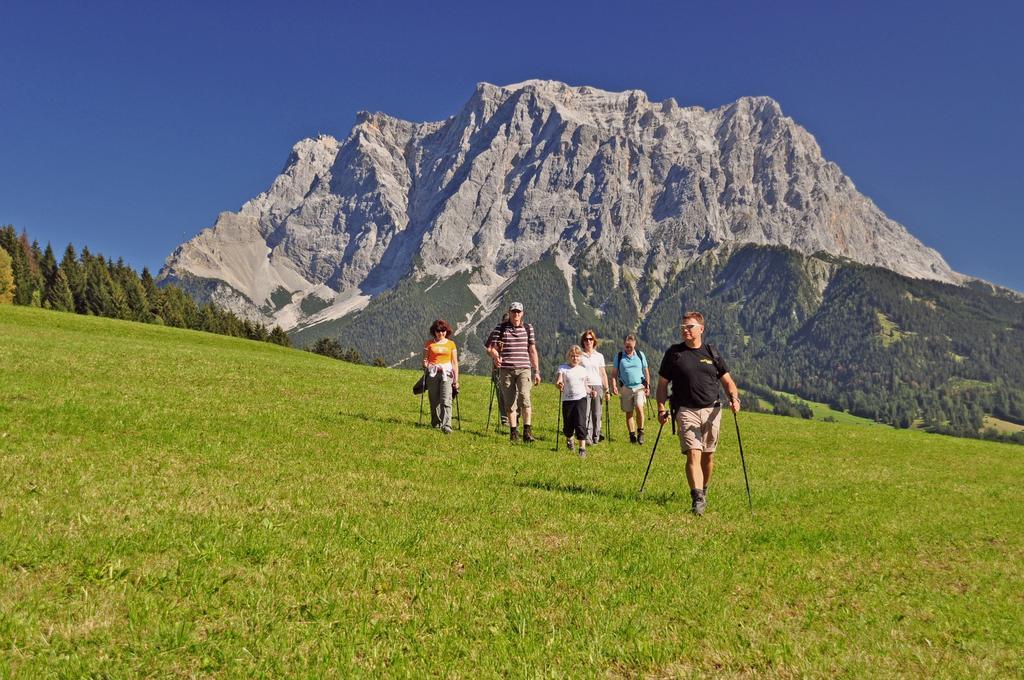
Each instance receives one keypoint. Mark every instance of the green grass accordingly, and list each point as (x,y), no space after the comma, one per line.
(889,332)
(181,504)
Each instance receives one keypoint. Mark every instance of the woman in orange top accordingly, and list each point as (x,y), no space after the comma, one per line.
(441,364)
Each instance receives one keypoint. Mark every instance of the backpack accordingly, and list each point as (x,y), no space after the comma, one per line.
(618,363)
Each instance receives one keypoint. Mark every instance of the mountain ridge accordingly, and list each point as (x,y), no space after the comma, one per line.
(524,171)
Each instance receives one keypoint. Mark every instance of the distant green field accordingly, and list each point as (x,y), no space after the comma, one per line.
(175,504)
(823,411)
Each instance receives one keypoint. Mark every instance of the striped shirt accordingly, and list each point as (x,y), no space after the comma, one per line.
(516,342)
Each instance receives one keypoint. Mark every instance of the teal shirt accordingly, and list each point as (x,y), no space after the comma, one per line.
(631,368)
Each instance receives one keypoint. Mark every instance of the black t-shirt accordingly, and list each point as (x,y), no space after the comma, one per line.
(693,374)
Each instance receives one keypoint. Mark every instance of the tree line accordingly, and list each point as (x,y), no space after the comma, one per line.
(88,283)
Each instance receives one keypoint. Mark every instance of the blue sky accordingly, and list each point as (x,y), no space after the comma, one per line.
(129,126)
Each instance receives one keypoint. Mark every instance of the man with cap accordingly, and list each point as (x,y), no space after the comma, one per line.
(513,349)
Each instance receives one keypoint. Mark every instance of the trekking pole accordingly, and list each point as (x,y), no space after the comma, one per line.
(490,402)
(458,409)
(608,416)
(558,424)
(743,460)
(653,449)
(420,424)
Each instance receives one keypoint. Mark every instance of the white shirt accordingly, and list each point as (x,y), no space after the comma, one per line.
(575,382)
(594,363)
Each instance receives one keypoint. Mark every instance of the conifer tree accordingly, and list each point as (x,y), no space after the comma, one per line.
(152,293)
(135,294)
(34,284)
(48,264)
(6,278)
(58,293)
(279,337)
(99,297)
(19,251)
(74,275)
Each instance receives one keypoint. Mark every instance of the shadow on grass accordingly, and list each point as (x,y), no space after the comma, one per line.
(397,420)
(584,490)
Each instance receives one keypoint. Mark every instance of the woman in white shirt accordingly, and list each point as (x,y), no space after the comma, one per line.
(593,361)
(574,383)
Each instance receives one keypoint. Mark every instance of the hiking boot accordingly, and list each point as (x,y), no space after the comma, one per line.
(513,434)
(639,436)
(699,502)
(632,438)
(583,451)
(568,444)
(528,434)
(446,429)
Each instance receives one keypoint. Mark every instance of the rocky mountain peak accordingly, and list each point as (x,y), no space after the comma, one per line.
(528,170)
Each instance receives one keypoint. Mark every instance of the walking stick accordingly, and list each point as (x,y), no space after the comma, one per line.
(653,449)
(743,460)
(458,409)
(558,424)
(608,416)
(490,402)
(420,424)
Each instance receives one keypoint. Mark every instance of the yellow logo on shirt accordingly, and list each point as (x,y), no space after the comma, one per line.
(706,361)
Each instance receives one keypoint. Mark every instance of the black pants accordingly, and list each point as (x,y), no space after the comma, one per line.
(574,419)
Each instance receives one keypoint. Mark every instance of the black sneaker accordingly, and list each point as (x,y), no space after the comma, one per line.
(639,436)
(632,438)
(528,434)
(513,434)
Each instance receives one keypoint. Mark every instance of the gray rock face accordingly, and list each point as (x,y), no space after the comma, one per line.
(528,169)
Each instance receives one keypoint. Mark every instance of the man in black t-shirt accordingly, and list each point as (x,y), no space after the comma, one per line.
(695,371)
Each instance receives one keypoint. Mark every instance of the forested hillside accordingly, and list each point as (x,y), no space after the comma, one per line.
(92,284)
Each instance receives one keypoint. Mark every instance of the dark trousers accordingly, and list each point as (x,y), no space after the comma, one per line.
(574,418)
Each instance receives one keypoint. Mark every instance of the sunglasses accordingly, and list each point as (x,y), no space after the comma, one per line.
(690,326)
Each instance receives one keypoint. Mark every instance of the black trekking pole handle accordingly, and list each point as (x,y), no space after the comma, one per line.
(653,449)
(743,460)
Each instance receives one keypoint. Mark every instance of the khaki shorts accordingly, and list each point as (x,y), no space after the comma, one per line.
(632,398)
(515,385)
(698,428)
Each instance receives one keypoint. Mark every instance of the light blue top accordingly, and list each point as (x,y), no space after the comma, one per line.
(631,368)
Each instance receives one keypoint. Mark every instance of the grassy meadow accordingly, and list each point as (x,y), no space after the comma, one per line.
(178,504)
